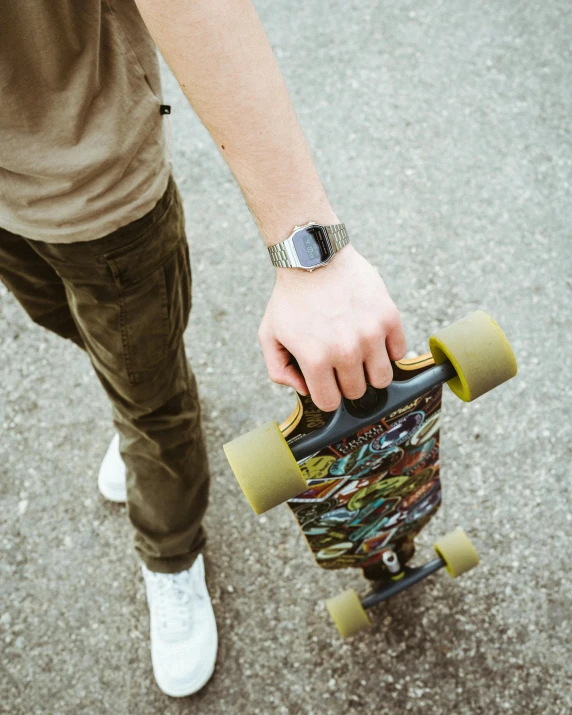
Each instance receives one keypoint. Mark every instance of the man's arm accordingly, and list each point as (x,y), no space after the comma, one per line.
(337,319)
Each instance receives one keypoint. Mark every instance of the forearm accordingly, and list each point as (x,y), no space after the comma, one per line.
(219,53)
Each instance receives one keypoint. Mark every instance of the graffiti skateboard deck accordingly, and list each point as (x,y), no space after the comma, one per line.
(374,489)
(363,481)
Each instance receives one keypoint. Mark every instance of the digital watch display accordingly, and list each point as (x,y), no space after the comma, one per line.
(309,246)
(312,246)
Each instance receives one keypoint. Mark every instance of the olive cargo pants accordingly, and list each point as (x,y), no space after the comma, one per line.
(125,299)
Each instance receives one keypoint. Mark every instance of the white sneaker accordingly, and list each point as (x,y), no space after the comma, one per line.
(184,637)
(111,478)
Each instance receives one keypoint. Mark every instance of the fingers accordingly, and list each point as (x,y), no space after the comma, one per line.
(321,381)
(379,351)
(342,368)
(378,368)
(278,364)
(395,338)
(349,371)
(316,376)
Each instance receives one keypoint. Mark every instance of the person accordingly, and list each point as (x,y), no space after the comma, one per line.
(92,244)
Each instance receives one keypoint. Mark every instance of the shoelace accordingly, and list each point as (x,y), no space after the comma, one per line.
(174,599)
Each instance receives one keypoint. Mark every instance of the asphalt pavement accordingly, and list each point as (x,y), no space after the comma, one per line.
(442,133)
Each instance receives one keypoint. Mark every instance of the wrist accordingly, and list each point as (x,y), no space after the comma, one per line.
(311,246)
(339,261)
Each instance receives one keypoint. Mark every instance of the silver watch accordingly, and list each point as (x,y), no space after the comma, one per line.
(309,246)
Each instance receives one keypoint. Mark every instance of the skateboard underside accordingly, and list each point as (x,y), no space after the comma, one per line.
(375,489)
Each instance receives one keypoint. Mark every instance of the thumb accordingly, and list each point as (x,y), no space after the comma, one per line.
(280,366)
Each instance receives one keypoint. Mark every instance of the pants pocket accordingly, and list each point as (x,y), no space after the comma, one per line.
(153,281)
(177,283)
(144,320)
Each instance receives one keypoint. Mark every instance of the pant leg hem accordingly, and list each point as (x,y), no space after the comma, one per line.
(173,564)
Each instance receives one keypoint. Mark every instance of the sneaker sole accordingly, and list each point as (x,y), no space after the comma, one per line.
(190,687)
(117,495)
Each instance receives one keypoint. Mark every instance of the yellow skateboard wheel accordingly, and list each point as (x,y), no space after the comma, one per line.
(479,352)
(347,613)
(265,467)
(457,552)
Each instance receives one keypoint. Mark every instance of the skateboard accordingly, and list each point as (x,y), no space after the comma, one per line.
(363,481)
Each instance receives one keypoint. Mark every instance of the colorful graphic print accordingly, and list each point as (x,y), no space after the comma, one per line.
(374,489)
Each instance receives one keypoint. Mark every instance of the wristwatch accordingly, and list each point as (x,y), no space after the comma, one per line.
(309,246)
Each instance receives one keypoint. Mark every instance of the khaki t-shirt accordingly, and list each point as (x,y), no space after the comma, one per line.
(82,138)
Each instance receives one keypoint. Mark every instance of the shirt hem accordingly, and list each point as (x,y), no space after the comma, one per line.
(90,232)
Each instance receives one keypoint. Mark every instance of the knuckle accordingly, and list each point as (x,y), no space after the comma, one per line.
(315,362)
(392,318)
(274,375)
(373,332)
(345,353)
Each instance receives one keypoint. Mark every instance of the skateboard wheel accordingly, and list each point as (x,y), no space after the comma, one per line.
(347,613)
(265,467)
(479,352)
(457,552)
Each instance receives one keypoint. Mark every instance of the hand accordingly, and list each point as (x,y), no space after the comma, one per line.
(339,323)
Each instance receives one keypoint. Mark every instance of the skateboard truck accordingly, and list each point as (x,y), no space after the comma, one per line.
(454,552)
(472,356)
(348,419)
(410,577)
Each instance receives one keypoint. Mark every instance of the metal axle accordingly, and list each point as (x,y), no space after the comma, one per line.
(410,577)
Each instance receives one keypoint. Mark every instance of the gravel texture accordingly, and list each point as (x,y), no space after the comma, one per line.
(442,132)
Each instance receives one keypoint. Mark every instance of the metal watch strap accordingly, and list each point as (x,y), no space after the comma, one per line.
(337,234)
(278,256)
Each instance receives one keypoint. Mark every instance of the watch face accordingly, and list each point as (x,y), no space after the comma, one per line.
(312,246)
